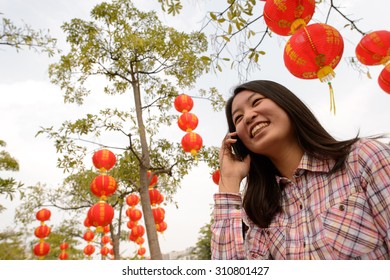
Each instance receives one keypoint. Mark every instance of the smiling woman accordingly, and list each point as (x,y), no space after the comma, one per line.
(307,195)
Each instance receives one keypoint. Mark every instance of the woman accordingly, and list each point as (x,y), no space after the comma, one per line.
(306,195)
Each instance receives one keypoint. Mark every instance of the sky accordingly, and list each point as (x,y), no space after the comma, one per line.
(29,101)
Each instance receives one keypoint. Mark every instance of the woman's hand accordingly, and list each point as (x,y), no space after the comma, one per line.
(232,169)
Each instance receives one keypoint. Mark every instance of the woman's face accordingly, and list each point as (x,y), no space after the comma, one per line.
(263,127)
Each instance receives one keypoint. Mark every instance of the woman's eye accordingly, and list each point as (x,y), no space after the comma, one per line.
(257,101)
(237,119)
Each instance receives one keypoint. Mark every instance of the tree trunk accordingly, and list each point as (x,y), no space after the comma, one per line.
(154,246)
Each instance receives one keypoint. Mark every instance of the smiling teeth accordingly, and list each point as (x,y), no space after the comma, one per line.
(258,127)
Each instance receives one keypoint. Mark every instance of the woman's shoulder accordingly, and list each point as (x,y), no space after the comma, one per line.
(368,149)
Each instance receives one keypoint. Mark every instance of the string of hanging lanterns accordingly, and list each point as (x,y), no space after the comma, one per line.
(42,248)
(63,255)
(191,142)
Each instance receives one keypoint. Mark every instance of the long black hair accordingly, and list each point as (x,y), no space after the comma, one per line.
(262,195)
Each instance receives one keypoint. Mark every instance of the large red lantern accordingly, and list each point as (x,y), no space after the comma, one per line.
(287,16)
(384,79)
(374,48)
(43,215)
(191,142)
(101,214)
(132,199)
(103,160)
(188,122)
(183,103)
(313,52)
(103,185)
(42,231)
(41,249)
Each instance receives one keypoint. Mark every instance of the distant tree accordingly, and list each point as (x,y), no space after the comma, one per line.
(8,186)
(137,55)
(25,37)
(202,250)
(12,246)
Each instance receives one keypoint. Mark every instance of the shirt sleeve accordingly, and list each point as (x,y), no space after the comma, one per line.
(374,157)
(227,242)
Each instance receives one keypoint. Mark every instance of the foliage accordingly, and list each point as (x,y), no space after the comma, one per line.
(8,186)
(12,246)
(20,37)
(202,250)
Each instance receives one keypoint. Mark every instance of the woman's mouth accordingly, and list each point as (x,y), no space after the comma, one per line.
(257,128)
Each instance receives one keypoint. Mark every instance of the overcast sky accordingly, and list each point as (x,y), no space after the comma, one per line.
(29,101)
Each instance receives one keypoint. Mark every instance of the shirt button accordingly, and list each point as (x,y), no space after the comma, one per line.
(237,207)
(300,206)
(341,207)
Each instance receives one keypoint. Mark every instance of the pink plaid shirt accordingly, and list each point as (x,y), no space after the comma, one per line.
(342,216)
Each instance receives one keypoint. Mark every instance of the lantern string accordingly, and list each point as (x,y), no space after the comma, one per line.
(332,100)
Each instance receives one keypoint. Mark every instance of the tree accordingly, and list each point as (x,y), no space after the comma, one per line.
(11,246)
(135,54)
(202,250)
(19,37)
(8,186)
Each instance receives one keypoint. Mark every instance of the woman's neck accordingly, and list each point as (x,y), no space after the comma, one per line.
(287,160)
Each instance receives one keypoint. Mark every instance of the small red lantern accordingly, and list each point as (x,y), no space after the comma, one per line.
(106,229)
(155,196)
(141,251)
(131,224)
(63,256)
(64,246)
(158,214)
(161,227)
(103,185)
(89,249)
(374,48)
(103,160)
(104,251)
(135,214)
(216,176)
(41,249)
(183,103)
(191,142)
(105,239)
(101,214)
(188,122)
(87,222)
(132,199)
(43,215)
(140,241)
(88,235)
(313,52)
(42,231)
(384,79)
(138,231)
(152,181)
(286,17)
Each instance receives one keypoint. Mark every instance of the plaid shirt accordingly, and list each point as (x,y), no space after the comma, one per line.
(345,215)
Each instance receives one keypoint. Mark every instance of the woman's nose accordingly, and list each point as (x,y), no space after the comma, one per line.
(250,116)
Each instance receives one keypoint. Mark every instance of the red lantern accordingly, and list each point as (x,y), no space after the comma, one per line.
(141,251)
(152,181)
(42,231)
(135,214)
(216,176)
(106,229)
(384,79)
(132,200)
(161,227)
(88,235)
(188,122)
(313,52)
(105,239)
(183,103)
(286,17)
(41,249)
(374,48)
(43,215)
(103,160)
(87,222)
(64,246)
(131,224)
(140,240)
(63,256)
(191,142)
(89,249)
(155,196)
(158,215)
(103,185)
(101,214)
(138,231)
(104,251)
